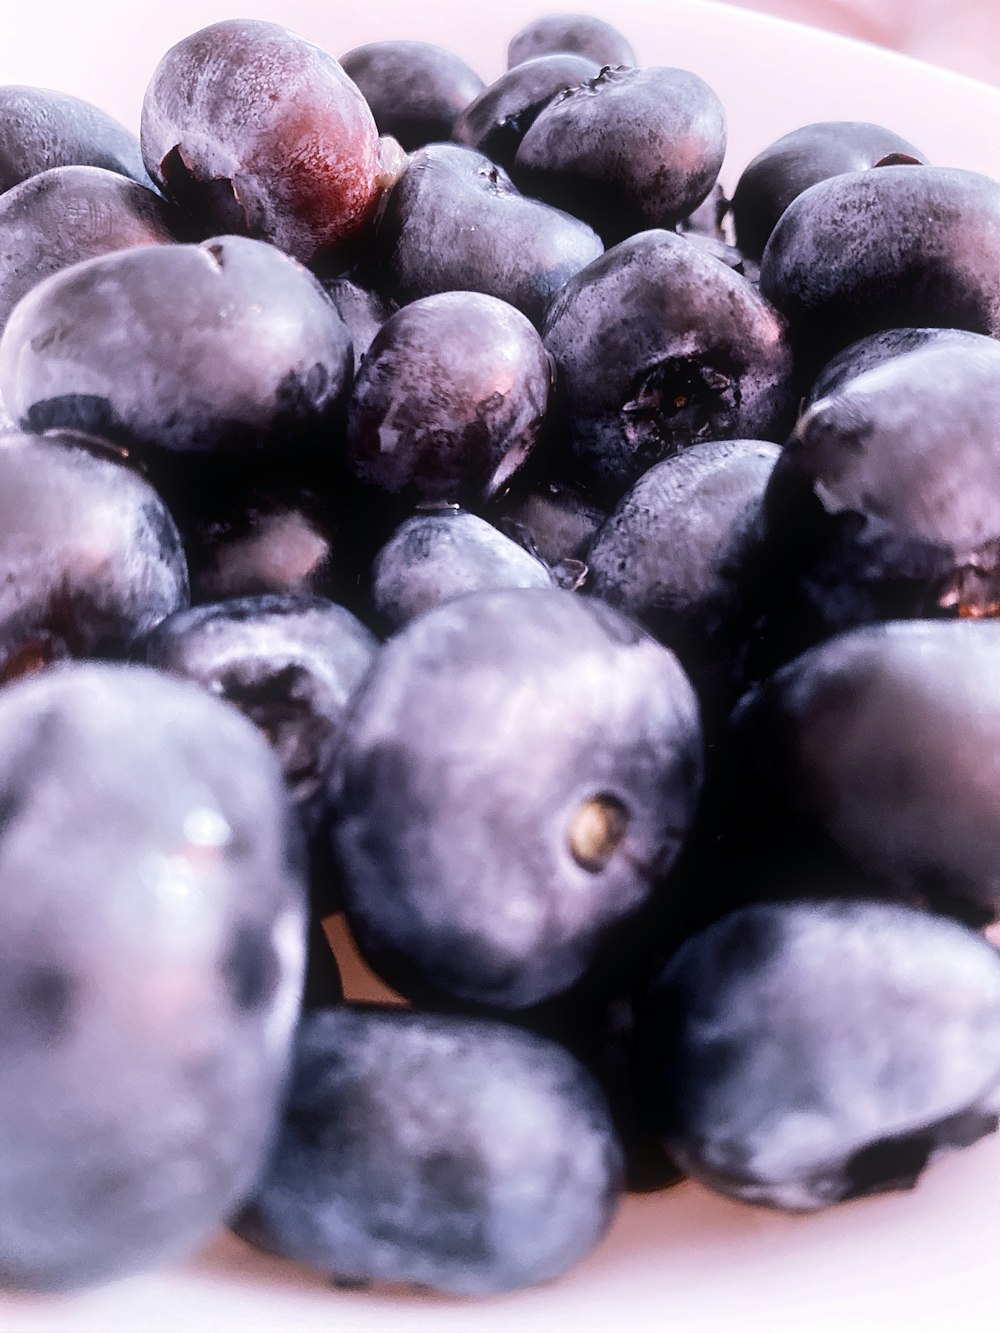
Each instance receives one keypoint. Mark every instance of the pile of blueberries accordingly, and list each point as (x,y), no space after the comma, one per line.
(437,503)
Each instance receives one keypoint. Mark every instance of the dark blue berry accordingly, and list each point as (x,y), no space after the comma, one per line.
(519,770)
(415,89)
(497,120)
(455,1154)
(649,363)
(90,558)
(450,400)
(628,150)
(434,557)
(896,247)
(582,34)
(807,155)
(226,347)
(67,214)
(41,129)
(807,1053)
(151,958)
(454,222)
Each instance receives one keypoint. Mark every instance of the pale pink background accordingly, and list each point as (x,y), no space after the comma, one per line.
(963,35)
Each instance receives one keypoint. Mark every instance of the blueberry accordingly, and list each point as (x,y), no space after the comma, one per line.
(797,160)
(41,129)
(875,350)
(874,747)
(519,770)
(582,34)
(456,1154)
(291,664)
(89,555)
(649,363)
(885,503)
(450,400)
(67,214)
(808,1053)
(627,150)
(151,950)
(219,348)
(497,120)
(415,89)
(436,556)
(258,132)
(897,247)
(672,555)
(454,222)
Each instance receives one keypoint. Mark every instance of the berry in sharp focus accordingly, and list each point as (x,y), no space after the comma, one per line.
(254,130)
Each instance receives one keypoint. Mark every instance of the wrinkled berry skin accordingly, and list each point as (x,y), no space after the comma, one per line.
(68,214)
(671,555)
(626,151)
(885,502)
(492,863)
(149,976)
(581,34)
(797,160)
(415,89)
(89,555)
(485,1159)
(455,222)
(450,400)
(802,1054)
(257,132)
(648,365)
(875,350)
(290,663)
(497,120)
(41,129)
(900,246)
(217,348)
(434,557)
(877,742)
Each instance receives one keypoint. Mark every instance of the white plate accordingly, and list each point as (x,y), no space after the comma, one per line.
(682,1260)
